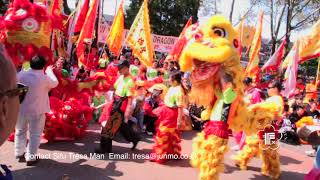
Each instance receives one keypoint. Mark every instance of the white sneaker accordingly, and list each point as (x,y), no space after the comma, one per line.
(311,153)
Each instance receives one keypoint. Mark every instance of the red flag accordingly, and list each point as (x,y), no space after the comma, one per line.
(182,41)
(274,62)
(82,17)
(87,32)
(291,74)
(57,18)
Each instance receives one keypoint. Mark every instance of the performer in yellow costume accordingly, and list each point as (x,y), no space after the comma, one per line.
(217,75)
(255,146)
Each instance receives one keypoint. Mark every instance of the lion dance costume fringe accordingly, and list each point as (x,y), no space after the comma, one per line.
(212,47)
(167,139)
(269,156)
(264,113)
(208,150)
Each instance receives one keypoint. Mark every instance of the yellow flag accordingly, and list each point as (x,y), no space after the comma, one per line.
(253,65)
(139,37)
(309,46)
(115,36)
(246,34)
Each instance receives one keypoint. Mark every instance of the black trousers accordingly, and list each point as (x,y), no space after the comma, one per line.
(125,130)
(150,121)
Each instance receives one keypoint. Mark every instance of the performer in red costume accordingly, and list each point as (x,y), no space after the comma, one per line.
(167,139)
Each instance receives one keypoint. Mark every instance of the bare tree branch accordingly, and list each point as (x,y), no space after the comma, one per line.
(299,24)
(300,9)
(271,18)
(231,11)
(245,14)
(279,20)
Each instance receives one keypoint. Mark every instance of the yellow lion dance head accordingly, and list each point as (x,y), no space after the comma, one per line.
(211,47)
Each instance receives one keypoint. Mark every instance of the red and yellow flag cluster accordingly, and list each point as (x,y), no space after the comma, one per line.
(115,36)
(309,46)
(139,37)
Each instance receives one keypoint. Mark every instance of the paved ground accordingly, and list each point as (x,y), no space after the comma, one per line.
(65,159)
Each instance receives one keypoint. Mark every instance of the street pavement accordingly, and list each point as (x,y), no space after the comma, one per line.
(73,159)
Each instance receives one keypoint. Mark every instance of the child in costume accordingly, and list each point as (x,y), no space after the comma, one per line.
(167,138)
(153,101)
(116,114)
(152,72)
(134,68)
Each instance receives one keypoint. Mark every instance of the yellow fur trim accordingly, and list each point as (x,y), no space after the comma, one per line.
(251,119)
(250,150)
(208,155)
(270,158)
(271,163)
(205,115)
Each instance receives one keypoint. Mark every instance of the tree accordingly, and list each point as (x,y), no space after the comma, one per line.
(167,17)
(301,14)
(3,6)
(231,11)
(208,8)
(309,68)
(291,15)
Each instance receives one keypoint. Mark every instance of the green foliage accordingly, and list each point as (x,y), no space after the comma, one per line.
(167,17)
(309,68)
(3,6)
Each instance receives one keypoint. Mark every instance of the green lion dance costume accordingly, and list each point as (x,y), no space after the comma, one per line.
(212,49)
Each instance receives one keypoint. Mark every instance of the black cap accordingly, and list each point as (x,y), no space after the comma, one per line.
(123,63)
(247,80)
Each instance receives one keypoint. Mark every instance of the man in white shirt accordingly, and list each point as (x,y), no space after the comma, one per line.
(33,109)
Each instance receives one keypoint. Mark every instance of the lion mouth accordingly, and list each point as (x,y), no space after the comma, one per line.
(204,70)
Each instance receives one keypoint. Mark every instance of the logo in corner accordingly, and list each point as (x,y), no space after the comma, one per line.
(270,137)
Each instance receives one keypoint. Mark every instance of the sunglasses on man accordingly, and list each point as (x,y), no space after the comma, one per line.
(20,91)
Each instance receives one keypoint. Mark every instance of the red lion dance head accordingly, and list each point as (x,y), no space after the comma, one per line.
(25,31)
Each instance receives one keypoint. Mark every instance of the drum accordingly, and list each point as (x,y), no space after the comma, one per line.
(310,134)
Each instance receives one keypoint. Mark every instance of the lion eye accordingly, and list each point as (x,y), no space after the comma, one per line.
(219,32)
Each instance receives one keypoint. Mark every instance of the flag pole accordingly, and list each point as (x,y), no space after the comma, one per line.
(317,78)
